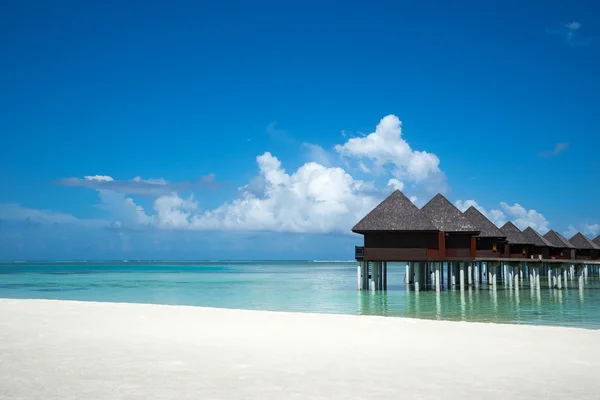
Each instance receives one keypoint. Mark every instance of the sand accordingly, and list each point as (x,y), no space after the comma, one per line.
(83,350)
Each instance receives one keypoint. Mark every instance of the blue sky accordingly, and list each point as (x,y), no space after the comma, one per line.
(225,129)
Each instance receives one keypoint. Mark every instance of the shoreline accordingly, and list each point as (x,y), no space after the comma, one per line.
(248,310)
(59,349)
(498,323)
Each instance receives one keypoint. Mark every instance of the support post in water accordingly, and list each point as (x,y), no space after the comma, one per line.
(470,274)
(437,277)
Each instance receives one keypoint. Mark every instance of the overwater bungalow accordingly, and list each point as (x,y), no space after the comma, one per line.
(491,240)
(585,249)
(459,233)
(518,244)
(541,246)
(563,249)
(596,240)
(396,230)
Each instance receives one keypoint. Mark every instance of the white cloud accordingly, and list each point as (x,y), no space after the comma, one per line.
(524,218)
(312,199)
(395,184)
(496,216)
(386,150)
(173,211)
(139,186)
(317,154)
(521,217)
(99,178)
(591,230)
(123,208)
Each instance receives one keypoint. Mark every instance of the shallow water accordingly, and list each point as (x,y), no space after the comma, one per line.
(324,287)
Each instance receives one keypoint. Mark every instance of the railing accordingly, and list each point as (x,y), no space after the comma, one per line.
(359,252)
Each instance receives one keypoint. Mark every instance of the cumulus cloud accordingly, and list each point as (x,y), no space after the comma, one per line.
(385,150)
(496,216)
(395,184)
(520,216)
(524,218)
(314,198)
(139,186)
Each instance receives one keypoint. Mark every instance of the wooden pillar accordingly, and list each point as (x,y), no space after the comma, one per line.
(462,275)
(418,275)
(565,277)
(476,274)
(437,276)
(360,276)
(407,275)
(385,275)
(470,273)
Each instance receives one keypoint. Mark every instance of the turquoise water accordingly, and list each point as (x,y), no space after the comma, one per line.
(323,287)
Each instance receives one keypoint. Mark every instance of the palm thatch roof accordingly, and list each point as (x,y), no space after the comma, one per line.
(597,240)
(484,225)
(395,213)
(513,234)
(558,240)
(581,242)
(536,238)
(446,217)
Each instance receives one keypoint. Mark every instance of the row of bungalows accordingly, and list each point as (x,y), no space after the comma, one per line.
(397,230)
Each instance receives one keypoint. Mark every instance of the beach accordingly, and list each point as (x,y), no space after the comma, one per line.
(86,350)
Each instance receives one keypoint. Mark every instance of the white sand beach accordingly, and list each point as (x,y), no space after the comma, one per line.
(77,350)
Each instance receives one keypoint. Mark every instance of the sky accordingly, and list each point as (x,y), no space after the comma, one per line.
(223,130)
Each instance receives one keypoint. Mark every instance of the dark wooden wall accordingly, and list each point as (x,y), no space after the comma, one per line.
(402,240)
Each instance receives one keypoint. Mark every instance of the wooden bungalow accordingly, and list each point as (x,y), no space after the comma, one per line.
(563,249)
(459,233)
(585,249)
(518,245)
(491,241)
(596,240)
(396,230)
(541,246)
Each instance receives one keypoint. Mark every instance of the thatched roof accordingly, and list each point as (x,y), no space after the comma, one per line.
(513,234)
(446,217)
(536,238)
(484,225)
(581,242)
(395,213)
(558,240)
(597,240)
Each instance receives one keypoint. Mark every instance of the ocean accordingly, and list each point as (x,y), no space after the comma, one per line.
(296,286)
